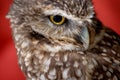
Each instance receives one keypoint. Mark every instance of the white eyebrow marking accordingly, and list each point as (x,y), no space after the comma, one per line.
(62,13)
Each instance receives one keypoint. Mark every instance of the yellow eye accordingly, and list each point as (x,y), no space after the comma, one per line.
(57,19)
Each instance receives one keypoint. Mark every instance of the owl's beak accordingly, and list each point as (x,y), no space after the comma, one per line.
(83,38)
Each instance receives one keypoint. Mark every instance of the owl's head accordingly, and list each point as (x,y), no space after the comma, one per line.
(70,21)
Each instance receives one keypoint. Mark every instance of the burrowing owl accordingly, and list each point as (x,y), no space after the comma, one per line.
(63,40)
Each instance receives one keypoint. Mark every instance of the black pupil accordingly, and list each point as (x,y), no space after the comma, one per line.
(57,18)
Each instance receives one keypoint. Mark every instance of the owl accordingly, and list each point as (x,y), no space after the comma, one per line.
(63,40)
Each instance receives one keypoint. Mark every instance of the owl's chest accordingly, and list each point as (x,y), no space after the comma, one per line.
(67,65)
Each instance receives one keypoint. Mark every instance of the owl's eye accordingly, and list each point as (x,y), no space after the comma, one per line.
(57,19)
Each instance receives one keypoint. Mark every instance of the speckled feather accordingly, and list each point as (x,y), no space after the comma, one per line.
(81,49)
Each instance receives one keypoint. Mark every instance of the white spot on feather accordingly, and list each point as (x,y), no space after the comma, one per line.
(29,75)
(104,50)
(84,61)
(46,64)
(65,73)
(52,74)
(42,77)
(78,72)
(29,68)
(115,78)
(76,64)
(108,74)
(17,37)
(65,58)
(25,44)
(107,59)
(91,66)
(33,78)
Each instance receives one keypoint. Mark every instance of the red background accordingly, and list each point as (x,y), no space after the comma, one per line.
(108,11)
